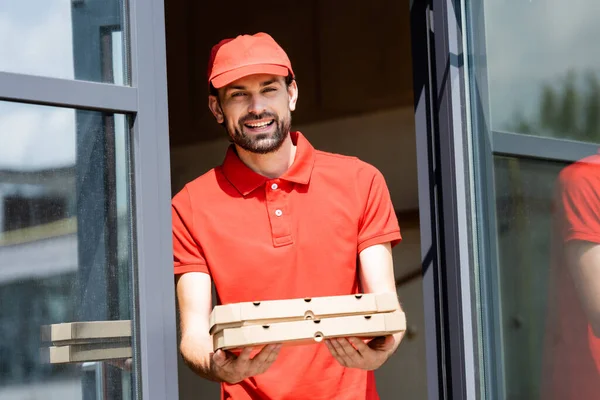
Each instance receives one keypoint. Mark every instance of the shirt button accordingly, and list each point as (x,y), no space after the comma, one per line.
(279,213)
(274,186)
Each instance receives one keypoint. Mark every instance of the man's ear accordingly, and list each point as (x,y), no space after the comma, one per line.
(293,93)
(215,108)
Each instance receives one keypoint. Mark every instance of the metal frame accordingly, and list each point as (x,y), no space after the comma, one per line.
(146,104)
(420,36)
(444,198)
(552,149)
(67,93)
(491,364)
(156,325)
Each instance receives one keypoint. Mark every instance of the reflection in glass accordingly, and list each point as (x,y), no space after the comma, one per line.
(543,67)
(69,39)
(65,247)
(535,71)
(545,210)
(572,345)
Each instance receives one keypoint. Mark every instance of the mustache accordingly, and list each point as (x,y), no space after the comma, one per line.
(254,117)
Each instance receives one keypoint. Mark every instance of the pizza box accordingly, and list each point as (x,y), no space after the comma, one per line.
(267,312)
(310,331)
(77,353)
(86,332)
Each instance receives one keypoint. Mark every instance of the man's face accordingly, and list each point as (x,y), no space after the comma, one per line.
(256,111)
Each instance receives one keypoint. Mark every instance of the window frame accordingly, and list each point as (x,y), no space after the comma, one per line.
(145,104)
(445,199)
(457,197)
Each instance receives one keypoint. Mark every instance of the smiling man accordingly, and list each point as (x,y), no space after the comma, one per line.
(278,219)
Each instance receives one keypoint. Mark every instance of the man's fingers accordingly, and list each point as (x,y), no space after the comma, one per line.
(263,354)
(263,360)
(337,347)
(333,346)
(219,358)
(349,352)
(359,345)
(245,354)
(274,354)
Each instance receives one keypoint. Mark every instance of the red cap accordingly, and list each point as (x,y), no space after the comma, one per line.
(232,59)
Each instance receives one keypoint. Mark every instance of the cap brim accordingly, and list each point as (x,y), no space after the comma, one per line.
(231,76)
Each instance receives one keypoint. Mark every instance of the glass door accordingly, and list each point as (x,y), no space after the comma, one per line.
(84,202)
(533,75)
(65,254)
(507,99)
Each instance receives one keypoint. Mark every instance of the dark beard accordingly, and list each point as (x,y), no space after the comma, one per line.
(263,143)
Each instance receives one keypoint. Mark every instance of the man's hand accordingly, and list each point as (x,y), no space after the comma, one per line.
(354,353)
(228,367)
(196,345)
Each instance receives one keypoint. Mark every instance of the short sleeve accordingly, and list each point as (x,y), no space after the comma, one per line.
(188,255)
(378,223)
(579,193)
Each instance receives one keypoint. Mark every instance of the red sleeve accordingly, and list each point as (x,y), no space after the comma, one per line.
(378,223)
(580,199)
(188,255)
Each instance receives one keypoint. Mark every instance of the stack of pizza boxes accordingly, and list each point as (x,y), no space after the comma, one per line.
(77,342)
(302,321)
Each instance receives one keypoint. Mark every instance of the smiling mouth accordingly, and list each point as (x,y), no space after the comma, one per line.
(259,125)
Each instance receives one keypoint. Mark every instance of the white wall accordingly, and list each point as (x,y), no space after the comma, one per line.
(404,374)
(387,140)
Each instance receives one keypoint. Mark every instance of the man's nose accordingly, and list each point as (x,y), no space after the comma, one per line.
(257,105)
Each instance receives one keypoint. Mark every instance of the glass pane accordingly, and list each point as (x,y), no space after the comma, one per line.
(535,70)
(524,195)
(543,67)
(65,253)
(548,234)
(70,39)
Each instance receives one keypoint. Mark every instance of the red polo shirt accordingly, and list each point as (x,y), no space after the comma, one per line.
(292,237)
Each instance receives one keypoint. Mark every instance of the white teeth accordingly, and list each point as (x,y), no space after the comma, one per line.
(259,125)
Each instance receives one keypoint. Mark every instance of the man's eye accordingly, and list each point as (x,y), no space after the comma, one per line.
(270,89)
(237,94)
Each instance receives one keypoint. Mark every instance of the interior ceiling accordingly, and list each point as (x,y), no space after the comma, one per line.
(349,57)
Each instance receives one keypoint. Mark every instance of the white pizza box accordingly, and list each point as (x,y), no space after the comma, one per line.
(310,331)
(78,353)
(86,332)
(266,312)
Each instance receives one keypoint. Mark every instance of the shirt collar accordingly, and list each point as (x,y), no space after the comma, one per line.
(245,180)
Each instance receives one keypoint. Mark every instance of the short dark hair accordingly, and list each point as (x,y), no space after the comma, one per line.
(214,92)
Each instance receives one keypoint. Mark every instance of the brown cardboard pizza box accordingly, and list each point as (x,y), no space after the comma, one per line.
(288,310)
(310,331)
(86,352)
(77,342)
(86,332)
